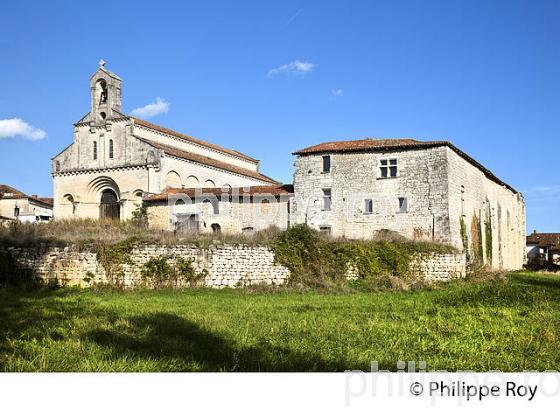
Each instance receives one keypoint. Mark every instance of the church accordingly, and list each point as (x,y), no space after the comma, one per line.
(116,160)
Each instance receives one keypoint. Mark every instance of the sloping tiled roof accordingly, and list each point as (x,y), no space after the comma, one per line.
(192,139)
(8,192)
(379,145)
(276,190)
(544,239)
(364,145)
(211,162)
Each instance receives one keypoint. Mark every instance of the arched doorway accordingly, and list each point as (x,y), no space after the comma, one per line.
(109,207)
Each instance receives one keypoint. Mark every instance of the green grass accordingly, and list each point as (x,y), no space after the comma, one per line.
(509,325)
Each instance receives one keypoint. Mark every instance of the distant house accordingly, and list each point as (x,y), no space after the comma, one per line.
(543,249)
(15,205)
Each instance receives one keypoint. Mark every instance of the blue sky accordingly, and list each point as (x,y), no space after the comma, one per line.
(267,78)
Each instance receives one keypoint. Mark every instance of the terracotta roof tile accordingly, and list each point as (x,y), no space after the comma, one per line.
(193,140)
(8,192)
(209,162)
(363,145)
(544,239)
(276,190)
(395,144)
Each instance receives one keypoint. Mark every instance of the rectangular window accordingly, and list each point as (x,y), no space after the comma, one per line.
(388,168)
(403,205)
(16,212)
(326,230)
(327,163)
(327,199)
(94,149)
(368,206)
(111,149)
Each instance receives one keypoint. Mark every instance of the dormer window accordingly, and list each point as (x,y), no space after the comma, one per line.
(388,168)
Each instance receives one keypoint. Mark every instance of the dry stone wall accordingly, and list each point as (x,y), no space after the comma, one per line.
(222,265)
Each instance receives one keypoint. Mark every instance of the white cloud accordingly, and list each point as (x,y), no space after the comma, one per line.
(16,127)
(542,193)
(295,67)
(337,92)
(152,109)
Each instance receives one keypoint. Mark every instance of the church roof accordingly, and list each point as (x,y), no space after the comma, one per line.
(193,140)
(277,190)
(395,144)
(211,162)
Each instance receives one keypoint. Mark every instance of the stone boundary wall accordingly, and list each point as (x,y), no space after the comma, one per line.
(440,267)
(224,265)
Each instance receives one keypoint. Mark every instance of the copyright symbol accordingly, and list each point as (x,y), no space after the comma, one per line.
(416,389)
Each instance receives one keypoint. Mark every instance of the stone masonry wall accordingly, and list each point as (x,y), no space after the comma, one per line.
(225,265)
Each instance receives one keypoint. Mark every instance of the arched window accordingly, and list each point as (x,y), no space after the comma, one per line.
(180,207)
(209,184)
(172,180)
(191,182)
(101,91)
(111,149)
(248,230)
(216,228)
(69,200)
(94,149)
(214,203)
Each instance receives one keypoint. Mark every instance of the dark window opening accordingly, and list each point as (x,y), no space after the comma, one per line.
(216,228)
(368,206)
(388,168)
(326,230)
(403,205)
(111,149)
(16,212)
(327,200)
(94,149)
(327,163)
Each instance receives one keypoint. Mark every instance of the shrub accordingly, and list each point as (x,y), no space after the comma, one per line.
(160,273)
(314,260)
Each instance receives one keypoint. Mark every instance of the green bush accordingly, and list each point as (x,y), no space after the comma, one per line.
(160,273)
(314,260)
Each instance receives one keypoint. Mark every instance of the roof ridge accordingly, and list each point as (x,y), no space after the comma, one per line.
(177,152)
(192,139)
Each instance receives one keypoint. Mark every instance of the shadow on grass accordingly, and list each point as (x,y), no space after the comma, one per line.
(186,346)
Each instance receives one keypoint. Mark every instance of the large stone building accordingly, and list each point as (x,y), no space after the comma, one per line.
(115,160)
(355,189)
(421,190)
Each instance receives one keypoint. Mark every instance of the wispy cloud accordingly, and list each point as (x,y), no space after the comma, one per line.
(150,110)
(16,127)
(294,16)
(296,67)
(337,92)
(543,193)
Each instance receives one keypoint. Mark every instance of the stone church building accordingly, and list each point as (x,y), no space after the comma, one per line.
(421,190)
(115,160)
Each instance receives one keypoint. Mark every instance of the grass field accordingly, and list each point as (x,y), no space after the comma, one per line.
(509,325)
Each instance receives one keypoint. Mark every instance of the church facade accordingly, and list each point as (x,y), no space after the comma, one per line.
(116,160)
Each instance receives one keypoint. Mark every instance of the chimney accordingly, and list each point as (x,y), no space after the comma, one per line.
(535,231)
